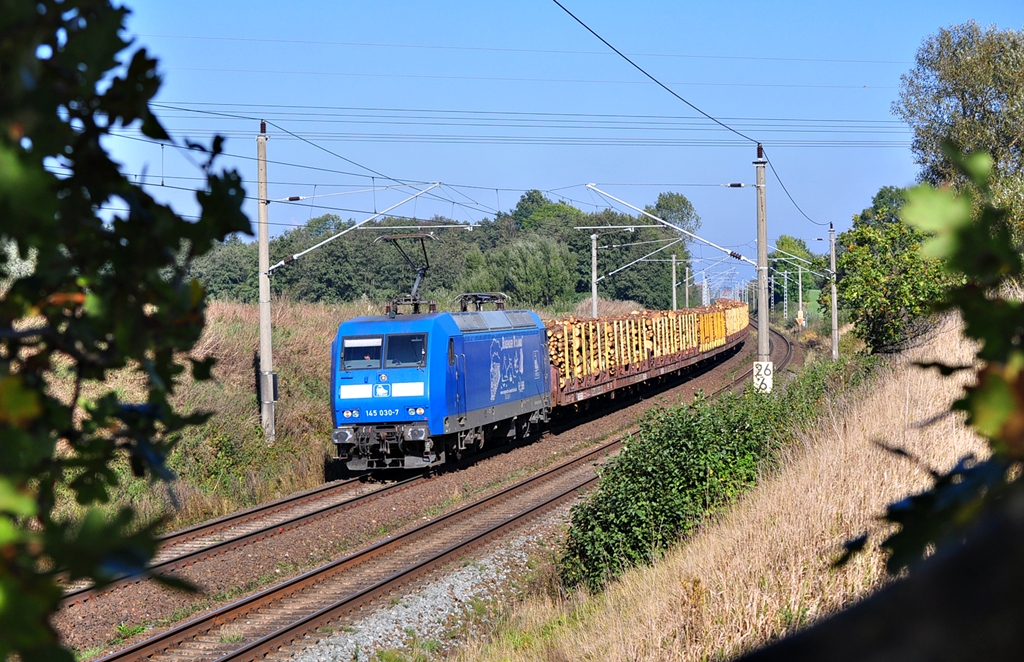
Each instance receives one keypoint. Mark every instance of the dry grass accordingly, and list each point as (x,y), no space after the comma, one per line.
(225,464)
(763,569)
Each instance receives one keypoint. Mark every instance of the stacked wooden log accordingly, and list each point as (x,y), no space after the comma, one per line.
(582,347)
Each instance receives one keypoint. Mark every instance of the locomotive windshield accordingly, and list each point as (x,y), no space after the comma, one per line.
(406,350)
(360,353)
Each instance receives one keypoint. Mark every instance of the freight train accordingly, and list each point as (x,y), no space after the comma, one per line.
(413,391)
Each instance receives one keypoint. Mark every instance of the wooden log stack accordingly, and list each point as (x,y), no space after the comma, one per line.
(582,347)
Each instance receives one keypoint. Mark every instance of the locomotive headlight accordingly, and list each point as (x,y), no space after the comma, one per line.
(419,411)
(411,411)
(355,413)
(416,433)
(346,414)
(342,435)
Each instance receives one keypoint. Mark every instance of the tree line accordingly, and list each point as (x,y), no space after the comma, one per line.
(533,253)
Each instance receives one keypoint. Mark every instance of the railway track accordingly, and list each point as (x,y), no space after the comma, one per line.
(276,621)
(269,622)
(203,541)
(781,353)
(194,544)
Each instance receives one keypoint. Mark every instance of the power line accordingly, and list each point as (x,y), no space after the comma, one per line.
(576,141)
(524,50)
(779,179)
(514,79)
(658,82)
(375,110)
(673,93)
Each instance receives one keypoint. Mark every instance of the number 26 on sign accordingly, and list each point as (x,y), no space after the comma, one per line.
(763,371)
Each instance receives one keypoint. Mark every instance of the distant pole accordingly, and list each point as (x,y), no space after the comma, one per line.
(835,303)
(800,291)
(763,354)
(785,296)
(674,307)
(593,275)
(686,290)
(266,355)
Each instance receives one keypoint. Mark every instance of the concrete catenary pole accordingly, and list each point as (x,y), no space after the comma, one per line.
(762,259)
(686,290)
(593,275)
(835,303)
(674,307)
(785,296)
(266,355)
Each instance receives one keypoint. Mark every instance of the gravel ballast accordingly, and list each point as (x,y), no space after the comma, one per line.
(440,613)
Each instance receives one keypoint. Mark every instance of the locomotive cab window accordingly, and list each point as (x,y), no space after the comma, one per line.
(406,351)
(361,353)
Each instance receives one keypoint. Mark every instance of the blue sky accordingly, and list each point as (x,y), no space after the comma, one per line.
(495,98)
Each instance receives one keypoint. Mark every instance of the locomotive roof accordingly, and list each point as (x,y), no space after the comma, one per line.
(467,322)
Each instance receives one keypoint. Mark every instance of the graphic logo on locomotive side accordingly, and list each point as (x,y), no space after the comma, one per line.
(507,367)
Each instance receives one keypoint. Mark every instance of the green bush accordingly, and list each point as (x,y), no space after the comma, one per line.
(685,462)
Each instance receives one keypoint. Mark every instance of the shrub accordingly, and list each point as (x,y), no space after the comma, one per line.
(684,463)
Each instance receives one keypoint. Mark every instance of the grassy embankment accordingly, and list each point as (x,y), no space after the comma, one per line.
(763,568)
(225,464)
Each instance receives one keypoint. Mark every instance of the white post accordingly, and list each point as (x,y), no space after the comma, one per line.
(800,292)
(674,307)
(686,290)
(267,377)
(835,302)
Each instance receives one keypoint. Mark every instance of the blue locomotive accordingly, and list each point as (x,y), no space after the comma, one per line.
(412,391)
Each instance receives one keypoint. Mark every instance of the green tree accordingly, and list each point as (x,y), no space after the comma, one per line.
(884,281)
(533,271)
(228,272)
(967,86)
(108,290)
(677,210)
(885,206)
(787,258)
(528,204)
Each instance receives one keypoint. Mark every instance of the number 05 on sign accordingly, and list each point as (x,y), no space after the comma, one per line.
(763,371)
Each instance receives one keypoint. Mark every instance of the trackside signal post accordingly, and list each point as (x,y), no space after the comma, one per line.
(763,368)
(268,380)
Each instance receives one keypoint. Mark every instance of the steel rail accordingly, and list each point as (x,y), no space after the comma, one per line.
(163,642)
(262,512)
(313,622)
(781,364)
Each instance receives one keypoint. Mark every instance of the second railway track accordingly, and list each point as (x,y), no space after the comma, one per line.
(271,620)
(318,502)
(218,536)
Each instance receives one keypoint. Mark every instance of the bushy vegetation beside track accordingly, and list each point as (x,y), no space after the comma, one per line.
(225,463)
(684,464)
